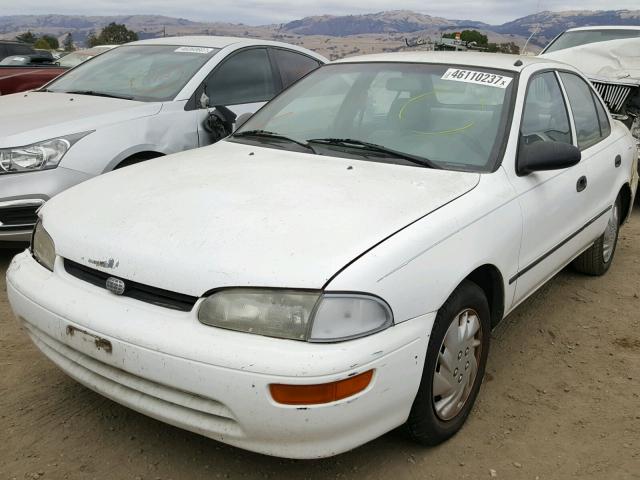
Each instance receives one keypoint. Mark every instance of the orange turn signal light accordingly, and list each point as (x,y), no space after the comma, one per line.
(322,393)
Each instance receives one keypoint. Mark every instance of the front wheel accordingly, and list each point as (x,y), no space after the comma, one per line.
(597,259)
(454,366)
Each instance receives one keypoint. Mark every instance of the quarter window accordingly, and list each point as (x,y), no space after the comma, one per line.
(293,66)
(545,117)
(584,111)
(603,119)
(246,77)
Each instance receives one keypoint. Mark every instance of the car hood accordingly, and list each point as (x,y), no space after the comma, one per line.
(239,215)
(613,61)
(31,117)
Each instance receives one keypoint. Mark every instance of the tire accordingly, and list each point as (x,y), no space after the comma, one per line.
(597,259)
(431,422)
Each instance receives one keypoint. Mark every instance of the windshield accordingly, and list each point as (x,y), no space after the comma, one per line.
(75,59)
(151,73)
(583,37)
(450,117)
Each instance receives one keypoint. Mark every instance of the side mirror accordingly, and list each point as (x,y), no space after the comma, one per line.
(220,123)
(542,156)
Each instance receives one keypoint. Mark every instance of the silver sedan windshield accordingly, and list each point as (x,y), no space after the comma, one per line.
(448,116)
(138,72)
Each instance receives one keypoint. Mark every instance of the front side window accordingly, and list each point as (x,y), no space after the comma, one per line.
(245,77)
(150,73)
(452,117)
(545,117)
(584,111)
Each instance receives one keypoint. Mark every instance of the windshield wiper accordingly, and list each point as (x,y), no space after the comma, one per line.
(275,136)
(373,147)
(99,94)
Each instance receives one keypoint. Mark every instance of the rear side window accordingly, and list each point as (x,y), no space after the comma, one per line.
(584,111)
(293,66)
(545,117)
(245,77)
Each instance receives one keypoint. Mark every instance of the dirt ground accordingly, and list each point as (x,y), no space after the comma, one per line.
(561,400)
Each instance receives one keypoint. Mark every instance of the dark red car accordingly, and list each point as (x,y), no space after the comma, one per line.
(22,68)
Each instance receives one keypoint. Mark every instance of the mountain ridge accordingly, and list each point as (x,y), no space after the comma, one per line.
(545,25)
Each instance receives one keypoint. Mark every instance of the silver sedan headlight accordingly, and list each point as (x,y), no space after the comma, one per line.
(37,156)
(296,314)
(42,247)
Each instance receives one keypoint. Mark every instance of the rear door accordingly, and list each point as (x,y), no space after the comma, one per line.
(243,83)
(601,154)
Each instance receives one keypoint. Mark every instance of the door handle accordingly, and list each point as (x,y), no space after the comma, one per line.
(581,184)
(618,161)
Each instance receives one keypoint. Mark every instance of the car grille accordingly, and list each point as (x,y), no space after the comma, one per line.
(139,291)
(613,95)
(18,218)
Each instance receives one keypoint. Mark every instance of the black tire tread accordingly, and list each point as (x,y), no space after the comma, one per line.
(419,427)
(591,261)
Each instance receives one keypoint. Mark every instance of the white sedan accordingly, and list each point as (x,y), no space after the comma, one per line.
(332,270)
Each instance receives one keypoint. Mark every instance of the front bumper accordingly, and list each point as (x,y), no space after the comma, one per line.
(32,188)
(214,382)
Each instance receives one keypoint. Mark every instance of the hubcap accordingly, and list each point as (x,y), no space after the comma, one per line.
(457,365)
(610,235)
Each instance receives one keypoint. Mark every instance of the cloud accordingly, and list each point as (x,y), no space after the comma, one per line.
(255,12)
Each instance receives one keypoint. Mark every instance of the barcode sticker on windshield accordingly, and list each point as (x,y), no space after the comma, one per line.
(193,50)
(480,78)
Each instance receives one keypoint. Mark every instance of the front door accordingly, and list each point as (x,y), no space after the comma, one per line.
(243,83)
(552,202)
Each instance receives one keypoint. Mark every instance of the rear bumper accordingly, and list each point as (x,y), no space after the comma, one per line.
(167,365)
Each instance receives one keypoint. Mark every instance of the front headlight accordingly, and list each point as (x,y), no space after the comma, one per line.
(42,247)
(296,314)
(38,156)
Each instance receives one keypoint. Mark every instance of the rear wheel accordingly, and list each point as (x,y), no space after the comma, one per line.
(454,366)
(597,259)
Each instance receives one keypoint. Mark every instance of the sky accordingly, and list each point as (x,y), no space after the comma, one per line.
(260,12)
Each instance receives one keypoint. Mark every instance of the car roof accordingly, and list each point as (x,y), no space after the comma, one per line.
(213,41)
(605,27)
(500,61)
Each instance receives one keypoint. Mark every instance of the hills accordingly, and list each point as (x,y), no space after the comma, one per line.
(551,24)
(397,21)
(334,35)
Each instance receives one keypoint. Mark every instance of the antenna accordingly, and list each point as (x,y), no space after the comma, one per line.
(536,30)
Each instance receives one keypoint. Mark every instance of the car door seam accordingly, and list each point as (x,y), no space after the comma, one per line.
(557,247)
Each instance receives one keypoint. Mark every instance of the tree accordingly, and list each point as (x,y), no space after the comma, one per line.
(112,34)
(27,37)
(42,44)
(68,43)
(470,36)
(52,41)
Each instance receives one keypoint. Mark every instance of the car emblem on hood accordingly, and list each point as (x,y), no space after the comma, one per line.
(115,285)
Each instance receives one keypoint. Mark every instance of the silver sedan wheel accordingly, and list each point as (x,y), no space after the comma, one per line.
(610,234)
(457,365)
